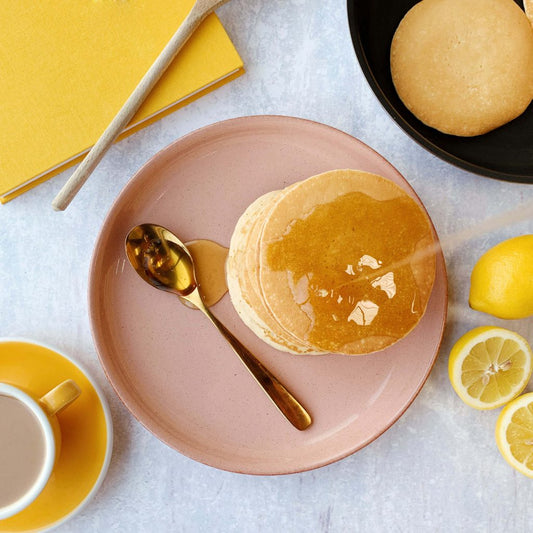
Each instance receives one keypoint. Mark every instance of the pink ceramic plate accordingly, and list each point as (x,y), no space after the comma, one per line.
(170,366)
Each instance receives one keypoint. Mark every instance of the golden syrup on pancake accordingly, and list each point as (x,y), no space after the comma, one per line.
(210,267)
(349,260)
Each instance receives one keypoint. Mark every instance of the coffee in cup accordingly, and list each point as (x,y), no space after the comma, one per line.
(30,441)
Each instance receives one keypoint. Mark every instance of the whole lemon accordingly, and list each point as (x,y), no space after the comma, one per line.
(501,283)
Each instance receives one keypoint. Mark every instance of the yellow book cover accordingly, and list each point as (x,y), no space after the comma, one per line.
(68,66)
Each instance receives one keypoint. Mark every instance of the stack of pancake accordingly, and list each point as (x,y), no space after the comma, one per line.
(341,262)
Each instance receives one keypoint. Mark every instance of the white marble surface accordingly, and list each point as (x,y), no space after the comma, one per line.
(437,469)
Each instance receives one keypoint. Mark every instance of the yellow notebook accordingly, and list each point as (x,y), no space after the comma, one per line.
(68,66)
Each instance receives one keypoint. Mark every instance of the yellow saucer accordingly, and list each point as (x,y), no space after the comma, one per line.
(87,434)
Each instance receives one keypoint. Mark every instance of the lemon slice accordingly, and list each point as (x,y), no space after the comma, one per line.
(514,433)
(489,366)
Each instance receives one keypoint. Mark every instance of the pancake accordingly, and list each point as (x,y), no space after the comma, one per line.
(347,262)
(341,262)
(464,67)
(242,278)
(528,7)
(250,276)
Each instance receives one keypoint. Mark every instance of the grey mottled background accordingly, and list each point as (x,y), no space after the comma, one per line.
(437,469)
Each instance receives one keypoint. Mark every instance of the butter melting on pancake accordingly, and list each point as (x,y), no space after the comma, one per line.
(347,262)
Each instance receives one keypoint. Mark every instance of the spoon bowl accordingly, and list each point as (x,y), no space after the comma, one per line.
(163,261)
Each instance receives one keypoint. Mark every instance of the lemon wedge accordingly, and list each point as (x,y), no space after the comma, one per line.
(514,433)
(489,366)
(501,283)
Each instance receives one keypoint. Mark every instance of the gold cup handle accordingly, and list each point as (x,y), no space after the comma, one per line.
(59,397)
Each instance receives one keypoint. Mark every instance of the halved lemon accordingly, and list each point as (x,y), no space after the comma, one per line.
(489,366)
(514,433)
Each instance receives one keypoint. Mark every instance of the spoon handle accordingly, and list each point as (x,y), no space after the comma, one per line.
(289,406)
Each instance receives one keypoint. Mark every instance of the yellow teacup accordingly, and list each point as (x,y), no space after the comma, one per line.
(30,442)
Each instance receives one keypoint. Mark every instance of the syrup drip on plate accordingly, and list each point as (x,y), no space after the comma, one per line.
(210,267)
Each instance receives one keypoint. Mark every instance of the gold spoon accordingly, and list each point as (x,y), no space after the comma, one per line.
(163,261)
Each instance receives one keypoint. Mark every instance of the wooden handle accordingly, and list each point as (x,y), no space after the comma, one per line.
(199,11)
